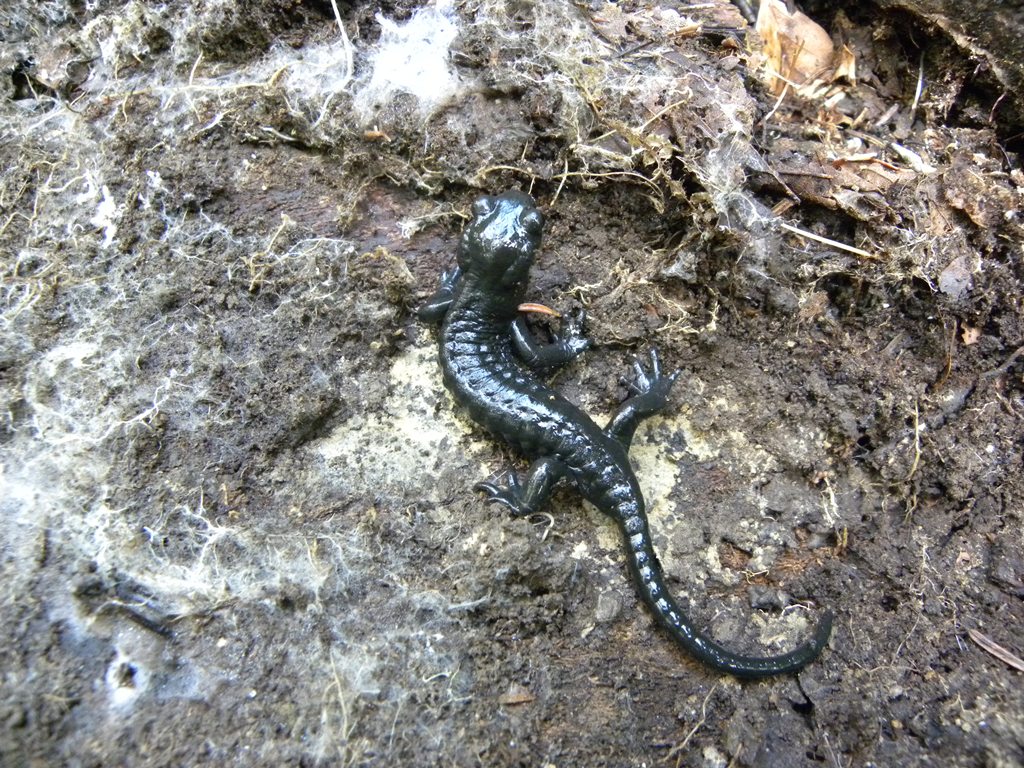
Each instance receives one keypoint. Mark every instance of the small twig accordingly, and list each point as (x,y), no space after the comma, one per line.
(986,643)
(887,115)
(746,10)
(997,372)
(544,518)
(157,626)
(827,241)
(195,66)
(565,171)
(917,441)
(662,112)
(899,648)
(920,87)
(809,174)
(778,103)
(394,723)
(345,42)
(277,134)
(911,158)
(703,719)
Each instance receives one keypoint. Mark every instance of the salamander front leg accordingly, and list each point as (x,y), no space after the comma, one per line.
(527,498)
(650,395)
(564,347)
(434,309)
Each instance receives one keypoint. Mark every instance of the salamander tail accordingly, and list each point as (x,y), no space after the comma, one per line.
(650,581)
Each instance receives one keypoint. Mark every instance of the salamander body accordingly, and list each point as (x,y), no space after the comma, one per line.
(488,359)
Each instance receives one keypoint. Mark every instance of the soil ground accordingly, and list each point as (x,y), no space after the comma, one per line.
(238,518)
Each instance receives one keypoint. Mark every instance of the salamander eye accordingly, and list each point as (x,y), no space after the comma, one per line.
(533,222)
(483,205)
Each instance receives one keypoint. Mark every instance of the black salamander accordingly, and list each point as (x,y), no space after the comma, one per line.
(486,356)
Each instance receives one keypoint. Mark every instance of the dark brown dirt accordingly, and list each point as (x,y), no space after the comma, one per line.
(239,525)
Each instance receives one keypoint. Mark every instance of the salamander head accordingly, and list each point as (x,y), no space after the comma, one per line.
(499,244)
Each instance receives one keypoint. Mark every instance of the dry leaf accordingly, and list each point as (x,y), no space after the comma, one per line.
(798,51)
(955,279)
(846,65)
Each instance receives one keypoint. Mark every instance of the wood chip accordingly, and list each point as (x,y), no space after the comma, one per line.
(516,694)
(988,644)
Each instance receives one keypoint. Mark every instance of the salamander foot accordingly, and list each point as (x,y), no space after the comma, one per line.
(650,390)
(510,496)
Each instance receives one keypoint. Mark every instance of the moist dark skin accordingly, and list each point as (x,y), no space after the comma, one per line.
(488,359)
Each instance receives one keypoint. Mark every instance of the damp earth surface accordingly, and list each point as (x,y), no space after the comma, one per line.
(238,523)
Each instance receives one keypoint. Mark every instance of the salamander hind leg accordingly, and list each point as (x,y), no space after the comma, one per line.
(526,498)
(650,395)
